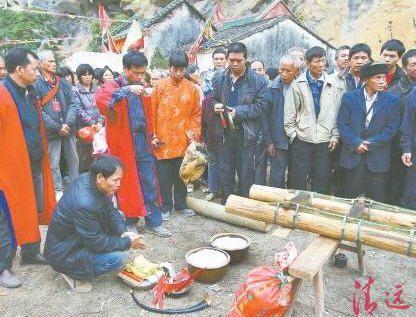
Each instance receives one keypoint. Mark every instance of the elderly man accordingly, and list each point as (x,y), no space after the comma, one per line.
(298,53)
(342,58)
(402,89)
(26,186)
(3,71)
(311,107)
(87,235)
(258,66)
(239,94)
(177,115)
(59,112)
(128,128)
(367,121)
(275,138)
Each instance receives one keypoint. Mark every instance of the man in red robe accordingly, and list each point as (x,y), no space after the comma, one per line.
(26,187)
(128,132)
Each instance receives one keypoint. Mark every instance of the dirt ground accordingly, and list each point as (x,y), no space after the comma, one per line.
(45,293)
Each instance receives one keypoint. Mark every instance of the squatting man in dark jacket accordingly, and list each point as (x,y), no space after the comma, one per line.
(87,235)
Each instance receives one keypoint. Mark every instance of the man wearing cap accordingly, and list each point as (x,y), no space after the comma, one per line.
(367,122)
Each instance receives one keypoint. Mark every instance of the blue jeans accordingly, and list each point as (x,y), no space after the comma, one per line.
(146,167)
(213,172)
(108,262)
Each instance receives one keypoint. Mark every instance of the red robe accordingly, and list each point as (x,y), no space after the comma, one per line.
(16,174)
(121,144)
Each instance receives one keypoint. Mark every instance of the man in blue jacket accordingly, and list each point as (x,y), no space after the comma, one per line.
(239,93)
(59,113)
(367,122)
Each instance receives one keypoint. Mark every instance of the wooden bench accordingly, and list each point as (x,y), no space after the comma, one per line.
(308,266)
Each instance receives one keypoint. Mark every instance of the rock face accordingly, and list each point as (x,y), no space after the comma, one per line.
(338,21)
(352,21)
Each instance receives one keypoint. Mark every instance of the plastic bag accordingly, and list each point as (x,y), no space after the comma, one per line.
(267,291)
(194,163)
(99,143)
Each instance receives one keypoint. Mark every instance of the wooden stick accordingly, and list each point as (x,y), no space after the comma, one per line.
(216,211)
(373,236)
(271,194)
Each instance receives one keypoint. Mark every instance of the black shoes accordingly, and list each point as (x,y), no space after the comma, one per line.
(37,259)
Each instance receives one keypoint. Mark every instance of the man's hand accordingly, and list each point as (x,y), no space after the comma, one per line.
(332,145)
(219,108)
(156,143)
(231,112)
(65,129)
(407,159)
(362,148)
(271,150)
(128,234)
(136,89)
(98,126)
(137,242)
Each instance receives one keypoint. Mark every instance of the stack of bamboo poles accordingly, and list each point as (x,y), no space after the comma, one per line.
(386,230)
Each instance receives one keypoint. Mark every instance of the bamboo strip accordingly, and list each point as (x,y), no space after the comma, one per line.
(373,236)
(216,211)
(271,194)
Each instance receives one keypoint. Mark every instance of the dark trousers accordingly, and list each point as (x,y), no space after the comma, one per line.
(168,175)
(360,180)
(261,159)
(85,156)
(8,245)
(146,168)
(310,160)
(235,157)
(396,178)
(409,193)
(278,165)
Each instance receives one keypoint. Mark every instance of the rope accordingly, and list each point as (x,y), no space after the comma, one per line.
(411,238)
(369,210)
(357,234)
(276,212)
(344,221)
(295,216)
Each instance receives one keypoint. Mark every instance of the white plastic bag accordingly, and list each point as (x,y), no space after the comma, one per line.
(99,142)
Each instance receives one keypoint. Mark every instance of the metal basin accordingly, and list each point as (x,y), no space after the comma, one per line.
(211,275)
(236,255)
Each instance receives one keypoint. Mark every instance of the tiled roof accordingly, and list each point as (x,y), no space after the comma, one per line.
(123,29)
(225,36)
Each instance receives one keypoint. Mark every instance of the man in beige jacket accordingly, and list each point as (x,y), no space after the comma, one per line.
(311,108)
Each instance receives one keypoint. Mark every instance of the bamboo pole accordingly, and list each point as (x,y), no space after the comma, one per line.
(271,194)
(216,211)
(374,236)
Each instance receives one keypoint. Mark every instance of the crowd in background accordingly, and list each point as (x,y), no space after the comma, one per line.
(345,127)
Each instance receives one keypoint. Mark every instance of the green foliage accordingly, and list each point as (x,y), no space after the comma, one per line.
(95,43)
(158,60)
(26,26)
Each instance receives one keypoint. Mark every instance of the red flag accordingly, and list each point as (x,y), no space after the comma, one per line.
(105,21)
(219,15)
(111,46)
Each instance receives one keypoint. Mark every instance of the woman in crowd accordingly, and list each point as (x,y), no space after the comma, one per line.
(87,112)
(103,75)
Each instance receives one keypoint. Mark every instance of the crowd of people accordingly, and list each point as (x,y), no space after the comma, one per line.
(346,129)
